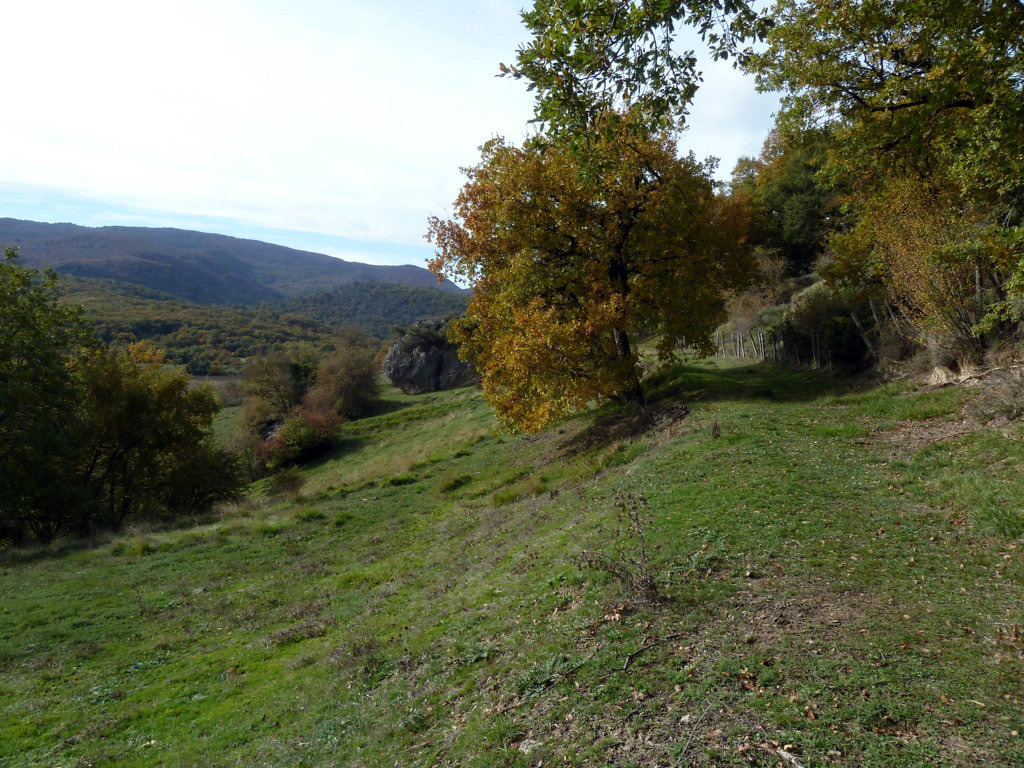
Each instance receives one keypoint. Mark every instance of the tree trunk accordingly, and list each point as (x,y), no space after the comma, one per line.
(634,394)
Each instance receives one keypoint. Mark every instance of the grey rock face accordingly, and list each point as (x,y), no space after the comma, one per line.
(423,360)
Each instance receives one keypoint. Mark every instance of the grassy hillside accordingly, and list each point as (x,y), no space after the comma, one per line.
(839,574)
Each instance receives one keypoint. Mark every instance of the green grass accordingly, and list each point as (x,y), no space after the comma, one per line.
(824,586)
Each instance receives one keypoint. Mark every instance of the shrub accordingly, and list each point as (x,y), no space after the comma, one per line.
(91,437)
(453,482)
(347,380)
(399,480)
(1001,398)
(287,482)
(631,564)
(295,442)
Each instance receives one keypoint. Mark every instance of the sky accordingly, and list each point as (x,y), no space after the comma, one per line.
(327,125)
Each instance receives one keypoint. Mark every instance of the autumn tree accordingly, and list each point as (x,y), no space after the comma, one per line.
(912,93)
(565,272)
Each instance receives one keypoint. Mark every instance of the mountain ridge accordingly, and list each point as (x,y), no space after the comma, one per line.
(202,267)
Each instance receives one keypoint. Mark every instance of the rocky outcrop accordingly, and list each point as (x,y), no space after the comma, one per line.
(423,360)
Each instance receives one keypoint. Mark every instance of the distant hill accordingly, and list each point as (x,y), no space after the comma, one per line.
(203,339)
(216,339)
(197,266)
(374,307)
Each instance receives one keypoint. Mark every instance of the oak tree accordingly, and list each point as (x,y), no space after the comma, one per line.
(566,272)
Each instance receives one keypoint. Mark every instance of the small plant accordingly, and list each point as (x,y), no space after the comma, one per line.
(310,514)
(540,677)
(453,482)
(285,483)
(631,565)
(399,480)
(360,650)
(506,496)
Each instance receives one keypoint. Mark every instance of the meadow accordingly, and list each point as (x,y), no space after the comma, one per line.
(838,570)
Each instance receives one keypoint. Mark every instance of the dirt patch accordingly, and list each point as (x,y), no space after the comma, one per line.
(769,613)
(911,436)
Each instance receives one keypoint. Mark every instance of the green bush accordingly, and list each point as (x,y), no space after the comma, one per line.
(92,437)
(287,482)
(296,441)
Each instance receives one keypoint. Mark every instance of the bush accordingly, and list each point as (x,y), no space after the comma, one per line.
(347,380)
(1001,398)
(91,438)
(291,415)
(287,482)
(295,442)
(145,441)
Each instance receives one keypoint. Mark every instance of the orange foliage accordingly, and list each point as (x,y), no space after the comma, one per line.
(567,269)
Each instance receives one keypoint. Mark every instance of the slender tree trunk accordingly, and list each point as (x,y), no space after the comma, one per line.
(634,394)
(618,273)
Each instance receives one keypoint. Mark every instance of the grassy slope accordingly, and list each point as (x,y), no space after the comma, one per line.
(834,583)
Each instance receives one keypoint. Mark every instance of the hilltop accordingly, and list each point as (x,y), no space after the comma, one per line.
(838,571)
(196,266)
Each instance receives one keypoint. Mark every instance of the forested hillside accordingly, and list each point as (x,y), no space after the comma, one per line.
(375,307)
(195,266)
(213,340)
(207,340)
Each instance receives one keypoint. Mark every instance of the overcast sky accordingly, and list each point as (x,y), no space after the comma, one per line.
(321,124)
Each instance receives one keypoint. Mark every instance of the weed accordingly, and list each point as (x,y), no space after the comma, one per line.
(540,677)
(506,496)
(631,564)
(453,482)
(286,483)
(397,480)
(308,514)
(359,650)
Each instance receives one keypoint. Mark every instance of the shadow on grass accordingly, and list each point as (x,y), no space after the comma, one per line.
(389,405)
(755,381)
(70,544)
(669,392)
(338,448)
